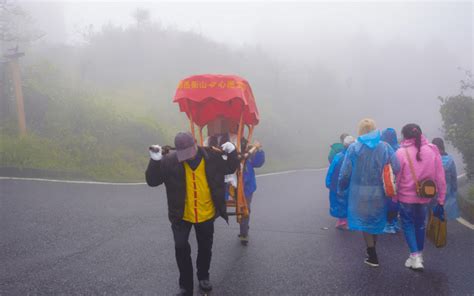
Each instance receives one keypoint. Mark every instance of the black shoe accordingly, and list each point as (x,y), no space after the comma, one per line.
(372,259)
(184,292)
(244,239)
(205,285)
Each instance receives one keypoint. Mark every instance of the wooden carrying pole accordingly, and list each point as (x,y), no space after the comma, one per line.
(240,131)
(191,122)
(20,105)
(249,138)
(201,139)
(241,208)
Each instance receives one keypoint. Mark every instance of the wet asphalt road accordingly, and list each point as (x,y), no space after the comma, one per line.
(89,239)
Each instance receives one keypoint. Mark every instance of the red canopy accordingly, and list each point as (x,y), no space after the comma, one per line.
(207,97)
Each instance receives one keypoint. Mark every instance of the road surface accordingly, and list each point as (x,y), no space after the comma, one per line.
(99,239)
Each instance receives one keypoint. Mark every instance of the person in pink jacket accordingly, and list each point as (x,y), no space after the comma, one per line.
(427,164)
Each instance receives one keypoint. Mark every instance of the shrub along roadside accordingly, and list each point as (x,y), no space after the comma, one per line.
(458,122)
(33,156)
(466,199)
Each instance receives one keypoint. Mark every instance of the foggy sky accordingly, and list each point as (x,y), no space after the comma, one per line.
(302,31)
(397,57)
(279,26)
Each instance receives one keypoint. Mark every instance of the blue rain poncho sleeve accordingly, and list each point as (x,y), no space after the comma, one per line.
(361,175)
(330,173)
(451,174)
(337,202)
(345,173)
(450,203)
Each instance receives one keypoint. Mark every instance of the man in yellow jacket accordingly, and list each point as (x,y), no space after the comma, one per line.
(195,189)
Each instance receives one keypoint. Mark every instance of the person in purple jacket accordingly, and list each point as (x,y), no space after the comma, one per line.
(427,164)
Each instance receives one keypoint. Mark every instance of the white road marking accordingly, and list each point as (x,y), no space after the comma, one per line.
(140,183)
(465,223)
(460,220)
(291,171)
(67,182)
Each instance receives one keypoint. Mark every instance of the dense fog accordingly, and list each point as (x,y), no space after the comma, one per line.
(316,69)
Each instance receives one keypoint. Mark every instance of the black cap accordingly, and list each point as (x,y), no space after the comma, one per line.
(186,147)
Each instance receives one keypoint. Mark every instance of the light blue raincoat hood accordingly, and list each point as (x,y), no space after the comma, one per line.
(371,139)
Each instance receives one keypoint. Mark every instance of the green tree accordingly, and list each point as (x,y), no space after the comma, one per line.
(458,122)
(141,16)
(17,28)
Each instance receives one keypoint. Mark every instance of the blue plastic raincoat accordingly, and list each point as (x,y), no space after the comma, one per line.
(250,182)
(361,174)
(337,203)
(450,204)
(389,136)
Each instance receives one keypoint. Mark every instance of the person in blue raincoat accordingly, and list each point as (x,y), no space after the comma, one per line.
(337,147)
(361,174)
(389,136)
(253,160)
(338,203)
(450,204)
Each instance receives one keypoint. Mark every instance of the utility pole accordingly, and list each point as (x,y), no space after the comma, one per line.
(14,68)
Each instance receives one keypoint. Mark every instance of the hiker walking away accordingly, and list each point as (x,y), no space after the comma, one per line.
(389,136)
(419,160)
(338,203)
(450,204)
(195,188)
(361,175)
(336,147)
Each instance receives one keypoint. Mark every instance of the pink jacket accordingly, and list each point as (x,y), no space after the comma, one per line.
(430,167)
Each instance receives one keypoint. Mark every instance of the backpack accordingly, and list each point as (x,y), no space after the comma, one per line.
(426,188)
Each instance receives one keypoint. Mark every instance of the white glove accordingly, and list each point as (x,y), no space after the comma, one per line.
(228,147)
(155,152)
(232,179)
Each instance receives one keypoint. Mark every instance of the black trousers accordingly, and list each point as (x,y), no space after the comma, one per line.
(204,235)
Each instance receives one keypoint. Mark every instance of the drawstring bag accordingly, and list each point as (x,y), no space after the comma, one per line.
(437,230)
(388,178)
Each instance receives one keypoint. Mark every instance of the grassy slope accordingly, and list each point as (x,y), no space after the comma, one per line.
(92,111)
